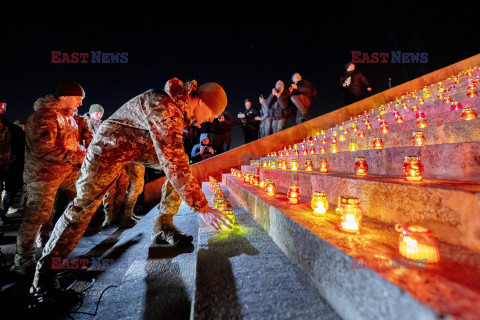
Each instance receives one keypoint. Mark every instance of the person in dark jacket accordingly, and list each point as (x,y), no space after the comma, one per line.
(266,122)
(280,108)
(191,134)
(302,93)
(354,84)
(203,150)
(222,128)
(249,120)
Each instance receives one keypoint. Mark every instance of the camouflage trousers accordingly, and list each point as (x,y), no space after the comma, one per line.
(96,177)
(40,202)
(120,199)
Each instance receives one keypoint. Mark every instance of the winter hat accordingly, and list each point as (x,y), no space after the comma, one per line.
(69,88)
(214,97)
(95,108)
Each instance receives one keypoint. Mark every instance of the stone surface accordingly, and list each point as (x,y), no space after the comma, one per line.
(444,206)
(243,274)
(355,272)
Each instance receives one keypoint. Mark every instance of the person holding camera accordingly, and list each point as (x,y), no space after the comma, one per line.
(249,120)
(203,150)
(280,108)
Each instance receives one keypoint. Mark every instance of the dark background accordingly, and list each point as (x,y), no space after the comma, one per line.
(246,48)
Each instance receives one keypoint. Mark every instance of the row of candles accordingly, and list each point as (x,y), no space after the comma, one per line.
(220,202)
(415,242)
(412,167)
(421,122)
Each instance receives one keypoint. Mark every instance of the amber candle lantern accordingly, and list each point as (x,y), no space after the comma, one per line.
(418,138)
(468,114)
(349,214)
(377,143)
(417,243)
(319,203)
(308,165)
(323,166)
(230,214)
(412,168)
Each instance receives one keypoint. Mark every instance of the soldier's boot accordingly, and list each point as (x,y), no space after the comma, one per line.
(127,222)
(24,266)
(165,232)
(107,221)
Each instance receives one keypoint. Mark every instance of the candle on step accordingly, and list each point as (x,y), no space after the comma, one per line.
(349,214)
(361,166)
(417,243)
(319,203)
(293,194)
(412,168)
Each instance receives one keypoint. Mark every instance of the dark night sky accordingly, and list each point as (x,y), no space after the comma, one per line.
(246,50)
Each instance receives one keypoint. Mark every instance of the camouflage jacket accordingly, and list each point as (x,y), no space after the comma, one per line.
(152,124)
(52,141)
(93,124)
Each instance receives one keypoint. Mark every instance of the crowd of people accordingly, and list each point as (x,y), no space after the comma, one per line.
(66,165)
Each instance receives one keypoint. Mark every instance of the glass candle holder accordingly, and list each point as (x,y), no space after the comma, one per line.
(368,125)
(418,138)
(447,100)
(384,129)
(353,146)
(421,123)
(262,184)
(417,243)
(293,194)
(412,168)
(273,164)
(361,166)
(456,106)
(361,134)
(349,214)
(472,93)
(441,95)
(284,165)
(333,148)
(216,200)
(255,180)
(333,140)
(377,143)
(304,152)
(270,188)
(229,212)
(308,165)
(319,203)
(323,141)
(296,152)
(322,149)
(312,151)
(399,119)
(279,164)
(415,108)
(468,114)
(287,153)
(246,177)
(294,165)
(323,166)
(341,138)
(222,205)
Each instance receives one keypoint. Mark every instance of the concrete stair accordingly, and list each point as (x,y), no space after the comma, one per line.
(358,274)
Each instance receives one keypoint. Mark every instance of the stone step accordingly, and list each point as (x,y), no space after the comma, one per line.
(356,273)
(452,161)
(446,207)
(445,127)
(243,274)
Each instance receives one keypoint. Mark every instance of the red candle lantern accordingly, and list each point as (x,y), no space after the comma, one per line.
(377,143)
(399,119)
(456,106)
(293,194)
(323,166)
(421,123)
(368,125)
(323,141)
(308,165)
(295,153)
(361,166)
(349,214)
(333,140)
(361,134)
(294,165)
(255,180)
(322,149)
(418,138)
(287,153)
(304,152)
(412,168)
(384,129)
(472,93)
(447,99)
(415,108)
(312,151)
(468,114)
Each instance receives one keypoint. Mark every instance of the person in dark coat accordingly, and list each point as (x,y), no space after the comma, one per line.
(222,128)
(354,84)
(279,106)
(249,120)
(302,93)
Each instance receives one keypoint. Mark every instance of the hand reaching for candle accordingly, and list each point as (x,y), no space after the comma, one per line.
(215,218)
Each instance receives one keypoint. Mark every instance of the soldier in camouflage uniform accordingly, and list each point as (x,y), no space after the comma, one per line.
(123,194)
(146,130)
(52,160)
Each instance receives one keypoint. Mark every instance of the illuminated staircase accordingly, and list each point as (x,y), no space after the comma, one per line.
(364,275)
